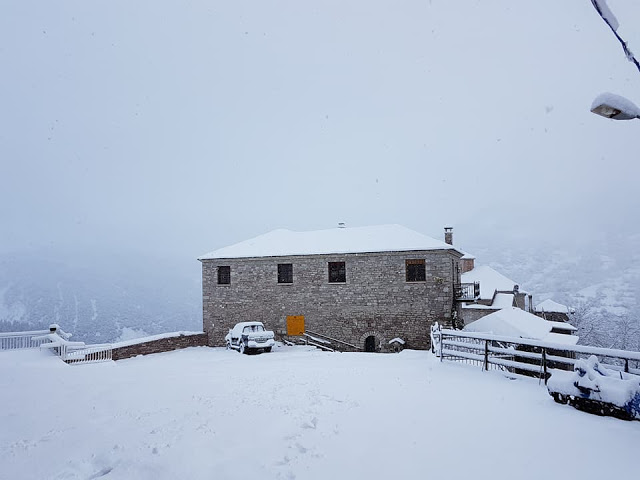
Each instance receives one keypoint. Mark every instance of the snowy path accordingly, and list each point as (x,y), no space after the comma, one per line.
(295,413)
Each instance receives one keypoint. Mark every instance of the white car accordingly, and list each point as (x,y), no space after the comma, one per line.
(250,336)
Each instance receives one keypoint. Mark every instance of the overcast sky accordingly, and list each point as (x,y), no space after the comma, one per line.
(181,127)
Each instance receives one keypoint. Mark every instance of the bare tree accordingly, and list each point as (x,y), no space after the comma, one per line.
(627,332)
(593,328)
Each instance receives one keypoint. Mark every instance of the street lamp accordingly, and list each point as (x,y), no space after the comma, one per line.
(607,104)
(614,106)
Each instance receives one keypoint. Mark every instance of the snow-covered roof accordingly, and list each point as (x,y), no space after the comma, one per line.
(490,281)
(478,306)
(514,322)
(467,256)
(380,238)
(563,326)
(503,300)
(550,306)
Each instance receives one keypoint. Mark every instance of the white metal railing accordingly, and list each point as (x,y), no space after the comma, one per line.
(76,352)
(87,353)
(466,291)
(20,340)
(58,342)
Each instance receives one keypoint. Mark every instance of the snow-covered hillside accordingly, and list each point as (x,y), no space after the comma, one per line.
(99,298)
(598,275)
(205,413)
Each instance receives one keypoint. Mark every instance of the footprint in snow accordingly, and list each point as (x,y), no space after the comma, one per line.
(312,424)
(101,473)
(288,476)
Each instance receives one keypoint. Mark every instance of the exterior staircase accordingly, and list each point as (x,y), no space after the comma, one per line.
(322,342)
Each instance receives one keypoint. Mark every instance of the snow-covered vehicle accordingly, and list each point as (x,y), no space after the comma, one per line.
(250,337)
(595,389)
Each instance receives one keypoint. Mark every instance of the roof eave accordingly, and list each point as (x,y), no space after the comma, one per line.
(451,250)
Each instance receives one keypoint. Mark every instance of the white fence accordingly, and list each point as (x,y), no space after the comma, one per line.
(20,340)
(519,356)
(76,352)
(87,353)
(58,342)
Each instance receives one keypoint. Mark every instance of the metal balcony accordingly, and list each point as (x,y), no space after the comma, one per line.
(466,291)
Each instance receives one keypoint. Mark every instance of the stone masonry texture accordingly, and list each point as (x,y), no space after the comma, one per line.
(375,300)
(160,345)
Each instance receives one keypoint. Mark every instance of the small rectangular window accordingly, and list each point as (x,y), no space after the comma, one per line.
(416,270)
(285,273)
(224,275)
(337,272)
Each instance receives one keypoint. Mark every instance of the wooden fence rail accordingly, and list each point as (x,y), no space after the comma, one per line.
(520,356)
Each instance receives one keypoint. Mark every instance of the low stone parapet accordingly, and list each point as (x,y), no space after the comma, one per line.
(158,343)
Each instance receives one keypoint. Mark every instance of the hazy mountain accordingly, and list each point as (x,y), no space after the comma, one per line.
(98,297)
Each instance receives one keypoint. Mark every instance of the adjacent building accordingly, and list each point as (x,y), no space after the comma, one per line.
(495,293)
(553,311)
(515,322)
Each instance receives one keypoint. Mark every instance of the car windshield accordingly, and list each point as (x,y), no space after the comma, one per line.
(253,328)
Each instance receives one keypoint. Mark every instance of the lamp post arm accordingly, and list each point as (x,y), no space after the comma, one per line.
(628,53)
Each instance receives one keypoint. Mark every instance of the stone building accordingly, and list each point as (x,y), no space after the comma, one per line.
(364,286)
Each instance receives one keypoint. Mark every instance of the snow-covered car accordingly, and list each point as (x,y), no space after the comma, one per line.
(595,389)
(250,337)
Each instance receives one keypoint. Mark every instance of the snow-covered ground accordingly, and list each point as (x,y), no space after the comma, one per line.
(204,413)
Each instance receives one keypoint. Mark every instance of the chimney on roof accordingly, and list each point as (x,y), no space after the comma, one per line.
(448,235)
(467,264)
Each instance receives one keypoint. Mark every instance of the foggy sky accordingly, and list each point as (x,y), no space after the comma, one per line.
(181,127)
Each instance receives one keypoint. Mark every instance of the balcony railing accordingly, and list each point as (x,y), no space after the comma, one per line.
(15,340)
(467,291)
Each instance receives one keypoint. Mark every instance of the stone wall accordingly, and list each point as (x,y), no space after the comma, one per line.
(375,300)
(472,314)
(554,316)
(166,344)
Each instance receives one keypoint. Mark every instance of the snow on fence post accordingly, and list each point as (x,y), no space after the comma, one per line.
(486,355)
(436,340)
